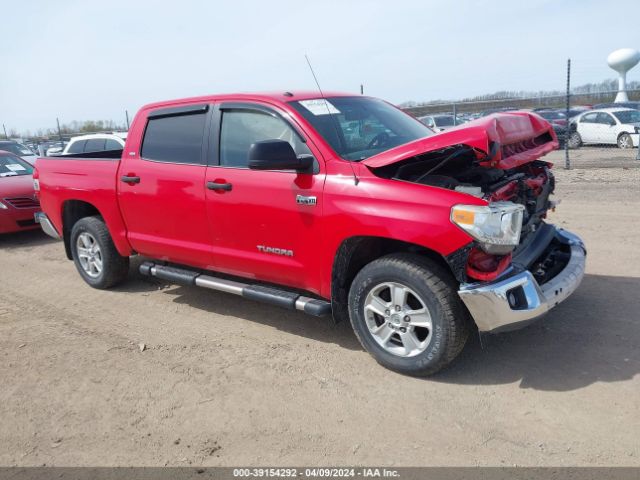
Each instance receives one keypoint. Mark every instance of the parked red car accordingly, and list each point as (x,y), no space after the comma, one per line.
(415,238)
(17,199)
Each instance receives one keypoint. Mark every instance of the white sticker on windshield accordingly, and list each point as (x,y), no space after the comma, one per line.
(15,167)
(319,106)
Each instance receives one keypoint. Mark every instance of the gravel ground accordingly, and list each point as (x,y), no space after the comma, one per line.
(224,381)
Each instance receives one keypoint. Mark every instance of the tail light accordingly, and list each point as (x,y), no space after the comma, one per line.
(36,183)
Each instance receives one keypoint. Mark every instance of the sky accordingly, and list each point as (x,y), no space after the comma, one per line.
(92,60)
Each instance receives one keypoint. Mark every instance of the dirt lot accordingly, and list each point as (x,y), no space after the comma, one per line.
(225,381)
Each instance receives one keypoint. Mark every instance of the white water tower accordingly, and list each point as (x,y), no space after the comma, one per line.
(622,61)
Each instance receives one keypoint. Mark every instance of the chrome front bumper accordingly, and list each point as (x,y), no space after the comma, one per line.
(46,225)
(516,299)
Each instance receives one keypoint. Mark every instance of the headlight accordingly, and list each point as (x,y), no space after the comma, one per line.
(3,206)
(496,226)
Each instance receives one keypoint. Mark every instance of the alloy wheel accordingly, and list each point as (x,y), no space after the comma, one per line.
(89,254)
(398,319)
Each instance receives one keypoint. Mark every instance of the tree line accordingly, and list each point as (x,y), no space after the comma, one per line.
(72,128)
(609,85)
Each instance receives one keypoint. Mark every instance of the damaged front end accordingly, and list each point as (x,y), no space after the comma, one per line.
(517,267)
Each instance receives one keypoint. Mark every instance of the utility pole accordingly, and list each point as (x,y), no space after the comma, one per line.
(361,89)
(126,114)
(455,115)
(567,162)
(59,131)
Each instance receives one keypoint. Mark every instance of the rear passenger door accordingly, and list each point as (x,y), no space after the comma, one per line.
(161,186)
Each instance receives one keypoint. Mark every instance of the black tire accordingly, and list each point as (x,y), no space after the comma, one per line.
(625,141)
(435,288)
(114,267)
(575,140)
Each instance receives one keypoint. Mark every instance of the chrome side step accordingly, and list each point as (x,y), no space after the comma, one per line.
(260,293)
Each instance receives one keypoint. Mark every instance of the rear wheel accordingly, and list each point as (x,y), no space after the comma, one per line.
(406,313)
(95,255)
(575,140)
(624,141)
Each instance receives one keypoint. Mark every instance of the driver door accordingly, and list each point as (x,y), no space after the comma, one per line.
(606,132)
(265,224)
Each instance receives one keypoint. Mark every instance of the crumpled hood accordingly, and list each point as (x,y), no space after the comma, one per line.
(523,138)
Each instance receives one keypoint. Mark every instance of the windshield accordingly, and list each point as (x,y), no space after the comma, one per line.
(360,127)
(628,116)
(552,115)
(17,148)
(11,166)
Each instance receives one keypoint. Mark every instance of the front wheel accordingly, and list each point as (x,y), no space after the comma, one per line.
(406,313)
(624,141)
(95,255)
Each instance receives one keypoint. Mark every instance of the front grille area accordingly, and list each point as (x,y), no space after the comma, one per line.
(22,202)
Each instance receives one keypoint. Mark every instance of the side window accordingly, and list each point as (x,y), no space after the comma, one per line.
(605,119)
(94,145)
(77,146)
(589,118)
(112,145)
(175,139)
(241,128)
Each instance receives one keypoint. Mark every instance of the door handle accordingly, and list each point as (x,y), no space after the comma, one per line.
(219,186)
(130,179)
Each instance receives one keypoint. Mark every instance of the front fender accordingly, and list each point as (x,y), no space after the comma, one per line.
(393,209)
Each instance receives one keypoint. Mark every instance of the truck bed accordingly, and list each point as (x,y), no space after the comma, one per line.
(71,183)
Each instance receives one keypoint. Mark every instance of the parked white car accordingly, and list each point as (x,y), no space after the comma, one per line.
(606,126)
(96,142)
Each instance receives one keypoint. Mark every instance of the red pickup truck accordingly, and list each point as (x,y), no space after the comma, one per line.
(340,205)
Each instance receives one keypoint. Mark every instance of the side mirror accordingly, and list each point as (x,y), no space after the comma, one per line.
(277,155)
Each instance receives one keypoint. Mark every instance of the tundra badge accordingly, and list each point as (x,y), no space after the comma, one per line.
(276,251)
(302,200)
